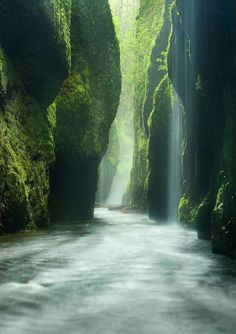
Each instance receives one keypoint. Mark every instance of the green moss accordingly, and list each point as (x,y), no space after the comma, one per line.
(229,147)
(153,27)
(3,77)
(39,46)
(60,41)
(224,221)
(25,154)
(190,214)
(37,51)
(85,109)
(196,215)
(158,146)
(186,213)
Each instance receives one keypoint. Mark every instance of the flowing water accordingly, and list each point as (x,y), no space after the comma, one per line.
(175,139)
(120,273)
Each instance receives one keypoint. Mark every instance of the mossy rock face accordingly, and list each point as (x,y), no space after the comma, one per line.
(206,52)
(208,154)
(33,63)
(85,109)
(224,221)
(150,30)
(158,156)
(44,43)
(26,150)
(187,213)
(34,60)
(36,37)
(196,215)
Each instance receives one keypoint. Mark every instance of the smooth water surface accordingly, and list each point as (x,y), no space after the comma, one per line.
(120,273)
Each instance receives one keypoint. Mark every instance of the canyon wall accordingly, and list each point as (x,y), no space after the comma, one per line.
(209,151)
(85,109)
(149,22)
(59,90)
(193,57)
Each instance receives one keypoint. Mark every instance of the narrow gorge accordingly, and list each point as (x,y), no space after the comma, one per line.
(117,166)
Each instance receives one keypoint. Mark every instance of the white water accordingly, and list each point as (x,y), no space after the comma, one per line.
(118,274)
(180,63)
(175,139)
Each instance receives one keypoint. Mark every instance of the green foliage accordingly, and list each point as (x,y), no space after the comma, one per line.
(229,147)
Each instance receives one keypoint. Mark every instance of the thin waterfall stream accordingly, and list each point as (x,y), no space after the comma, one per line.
(183,83)
(175,139)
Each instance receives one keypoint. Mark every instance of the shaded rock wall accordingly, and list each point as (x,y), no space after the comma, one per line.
(197,59)
(156,114)
(209,161)
(86,107)
(51,51)
(33,64)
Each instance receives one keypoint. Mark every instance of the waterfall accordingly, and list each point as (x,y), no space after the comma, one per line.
(175,132)
(183,98)
(175,139)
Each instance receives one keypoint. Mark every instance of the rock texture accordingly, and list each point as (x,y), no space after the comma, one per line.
(59,79)
(86,107)
(194,54)
(149,23)
(209,161)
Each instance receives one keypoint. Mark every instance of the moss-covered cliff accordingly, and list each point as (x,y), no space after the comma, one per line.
(53,50)
(86,107)
(33,63)
(193,55)
(209,163)
(149,23)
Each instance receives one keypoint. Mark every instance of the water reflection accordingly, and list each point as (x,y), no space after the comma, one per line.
(117,274)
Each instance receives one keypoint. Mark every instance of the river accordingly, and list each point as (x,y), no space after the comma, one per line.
(120,273)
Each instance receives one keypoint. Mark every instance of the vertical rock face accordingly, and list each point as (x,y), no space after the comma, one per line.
(149,23)
(35,35)
(51,51)
(86,108)
(33,64)
(196,58)
(209,162)
(156,114)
